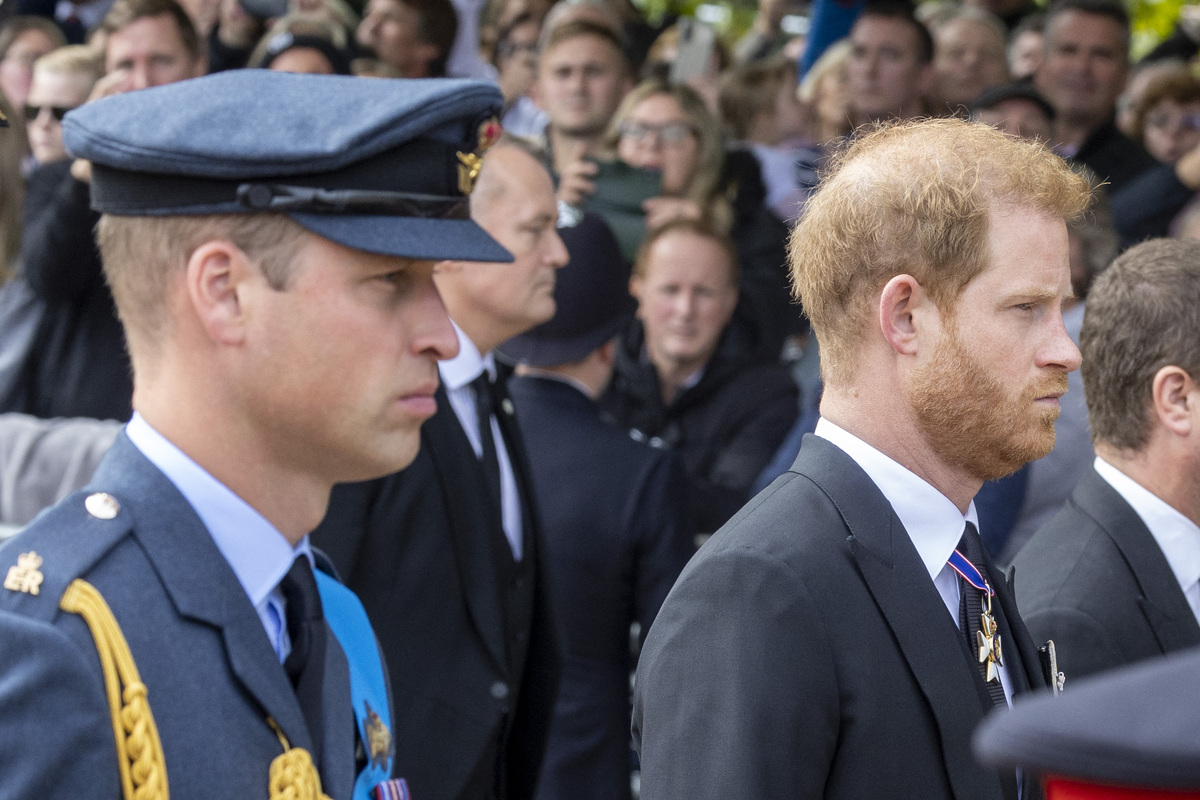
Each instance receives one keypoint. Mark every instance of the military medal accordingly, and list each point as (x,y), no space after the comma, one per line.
(988,636)
(989,639)
(469,164)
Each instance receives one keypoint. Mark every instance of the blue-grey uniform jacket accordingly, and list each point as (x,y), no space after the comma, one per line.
(212,676)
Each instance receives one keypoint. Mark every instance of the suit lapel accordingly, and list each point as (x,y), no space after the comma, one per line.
(1162,601)
(912,607)
(471,515)
(515,445)
(199,580)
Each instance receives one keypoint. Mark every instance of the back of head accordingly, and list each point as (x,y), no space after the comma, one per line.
(437,25)
(752,89)
(125,12)
(913,198)
(1142,315)
(592,300)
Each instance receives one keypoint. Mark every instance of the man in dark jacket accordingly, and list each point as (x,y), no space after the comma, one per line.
(79,367)
(613,511)
(455,538)
(723,415)
(1113,578)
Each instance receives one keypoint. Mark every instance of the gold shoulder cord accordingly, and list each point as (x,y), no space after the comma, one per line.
(293,775)
(139,752)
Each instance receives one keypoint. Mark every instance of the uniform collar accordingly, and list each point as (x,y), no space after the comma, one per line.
(256,551)
(933,522)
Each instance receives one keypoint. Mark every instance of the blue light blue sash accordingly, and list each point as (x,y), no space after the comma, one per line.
(368,693)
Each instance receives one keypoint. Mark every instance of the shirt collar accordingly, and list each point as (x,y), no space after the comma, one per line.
(1177,536)
(465,367)
(933,522)
(258,553)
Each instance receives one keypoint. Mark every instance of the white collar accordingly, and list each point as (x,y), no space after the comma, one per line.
(258,553)
(933,522)
(465,367)
(1177,536)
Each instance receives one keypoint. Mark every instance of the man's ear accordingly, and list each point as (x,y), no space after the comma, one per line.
(903,305)
(1175,396)
(217,274)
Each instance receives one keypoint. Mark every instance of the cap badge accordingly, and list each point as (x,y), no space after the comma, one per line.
(101,505)
(25,576)
(489,133)
(379,741)
(469,164)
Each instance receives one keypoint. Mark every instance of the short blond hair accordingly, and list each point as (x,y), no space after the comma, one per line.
(143,255)
(913,198)
(74,59)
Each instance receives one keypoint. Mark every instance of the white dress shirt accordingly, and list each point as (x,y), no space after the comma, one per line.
(256,551)
(1177,536)
(933,522)
(457,374)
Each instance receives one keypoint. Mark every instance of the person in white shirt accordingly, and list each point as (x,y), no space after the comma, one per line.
(1113,577)
(844,633)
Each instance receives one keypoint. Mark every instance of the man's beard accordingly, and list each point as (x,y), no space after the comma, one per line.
(975,423)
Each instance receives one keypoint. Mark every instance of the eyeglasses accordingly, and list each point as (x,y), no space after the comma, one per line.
(1186,122)
(58,112)
(508,49)
(667,133)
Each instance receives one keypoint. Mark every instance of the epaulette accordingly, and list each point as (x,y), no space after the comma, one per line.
(60,545)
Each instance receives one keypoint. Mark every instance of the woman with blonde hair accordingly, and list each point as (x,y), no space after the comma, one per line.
(826,92)
(668,128)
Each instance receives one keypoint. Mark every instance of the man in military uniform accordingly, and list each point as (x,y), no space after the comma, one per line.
(164,629)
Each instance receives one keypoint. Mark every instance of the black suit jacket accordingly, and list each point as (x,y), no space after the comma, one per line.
(804,652)
(418,548)
(79,367)
(617,537)
(1095,581)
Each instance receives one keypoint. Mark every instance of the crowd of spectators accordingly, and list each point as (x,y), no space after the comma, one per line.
(695,158)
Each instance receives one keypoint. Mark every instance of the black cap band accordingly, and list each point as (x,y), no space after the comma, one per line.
(368,187)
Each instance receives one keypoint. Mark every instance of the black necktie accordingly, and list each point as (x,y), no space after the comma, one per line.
(970,611)
(305,664)
(485,407)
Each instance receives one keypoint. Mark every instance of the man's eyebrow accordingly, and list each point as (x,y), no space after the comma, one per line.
(1037,293)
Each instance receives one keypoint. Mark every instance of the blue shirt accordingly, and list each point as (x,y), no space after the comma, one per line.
(256,551)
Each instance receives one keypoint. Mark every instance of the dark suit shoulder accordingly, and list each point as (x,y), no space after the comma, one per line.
(1076,583)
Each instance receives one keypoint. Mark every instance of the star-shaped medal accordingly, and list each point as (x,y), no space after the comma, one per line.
(989,644)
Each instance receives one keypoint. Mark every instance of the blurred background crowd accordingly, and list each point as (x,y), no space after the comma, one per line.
(681,154)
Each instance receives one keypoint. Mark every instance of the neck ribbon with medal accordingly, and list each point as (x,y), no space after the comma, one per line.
(988,636)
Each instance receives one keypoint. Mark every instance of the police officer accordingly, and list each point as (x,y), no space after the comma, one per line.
(269,240)
(1126,734)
